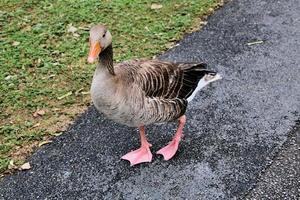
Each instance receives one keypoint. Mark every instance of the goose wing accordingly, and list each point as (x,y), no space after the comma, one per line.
(165,85)
(167,80)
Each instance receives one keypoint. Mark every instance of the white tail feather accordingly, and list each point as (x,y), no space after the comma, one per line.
(202,83)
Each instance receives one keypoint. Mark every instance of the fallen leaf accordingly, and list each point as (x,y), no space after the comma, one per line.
(76,35)
(57,134)
(12,165)
(65,95)
(27,28)
(48,77)
(25,166)
(56,64)
(51,76)
(210,10)
(155,6)
(44,142)
(56,109)
(169,45)
(255,42)
(203,22)
(35,114)
(71,29)
(39,113)
(15,43)
(9,77)
(36,125)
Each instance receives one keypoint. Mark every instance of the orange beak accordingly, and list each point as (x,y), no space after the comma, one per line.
(95,50)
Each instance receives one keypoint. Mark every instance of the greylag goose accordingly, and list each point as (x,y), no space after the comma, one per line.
(142,92)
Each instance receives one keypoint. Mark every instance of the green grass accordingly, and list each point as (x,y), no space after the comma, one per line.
(42,61)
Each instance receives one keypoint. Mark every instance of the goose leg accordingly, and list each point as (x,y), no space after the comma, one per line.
(169,151)
(143,154)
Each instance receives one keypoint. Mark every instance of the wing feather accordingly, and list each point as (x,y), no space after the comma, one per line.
(167,85)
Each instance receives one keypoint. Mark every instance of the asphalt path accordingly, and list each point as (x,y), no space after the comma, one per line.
(238,129)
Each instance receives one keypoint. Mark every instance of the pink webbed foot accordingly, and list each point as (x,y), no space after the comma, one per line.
(143,154)
(169,151)
(140,155)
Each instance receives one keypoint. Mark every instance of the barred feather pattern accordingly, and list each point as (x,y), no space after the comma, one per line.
(154,91)
(142,92)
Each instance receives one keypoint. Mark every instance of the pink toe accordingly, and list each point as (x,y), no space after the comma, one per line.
(140,155)
(169,151)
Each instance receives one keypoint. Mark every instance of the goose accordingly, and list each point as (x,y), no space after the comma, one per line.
(140,92)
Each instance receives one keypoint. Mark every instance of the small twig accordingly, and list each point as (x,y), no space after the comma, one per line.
(255,42)
(65,95)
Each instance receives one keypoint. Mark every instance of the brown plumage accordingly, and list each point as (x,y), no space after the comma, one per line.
(141,92)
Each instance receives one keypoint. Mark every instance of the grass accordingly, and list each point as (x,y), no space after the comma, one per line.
(43,48)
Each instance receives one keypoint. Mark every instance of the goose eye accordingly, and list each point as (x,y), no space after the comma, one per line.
(103,35)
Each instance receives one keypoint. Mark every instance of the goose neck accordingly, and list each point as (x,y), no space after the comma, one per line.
(106,59)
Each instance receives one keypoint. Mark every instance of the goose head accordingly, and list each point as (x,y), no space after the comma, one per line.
(100,39)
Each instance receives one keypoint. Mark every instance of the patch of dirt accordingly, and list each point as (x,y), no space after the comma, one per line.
(59,121)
